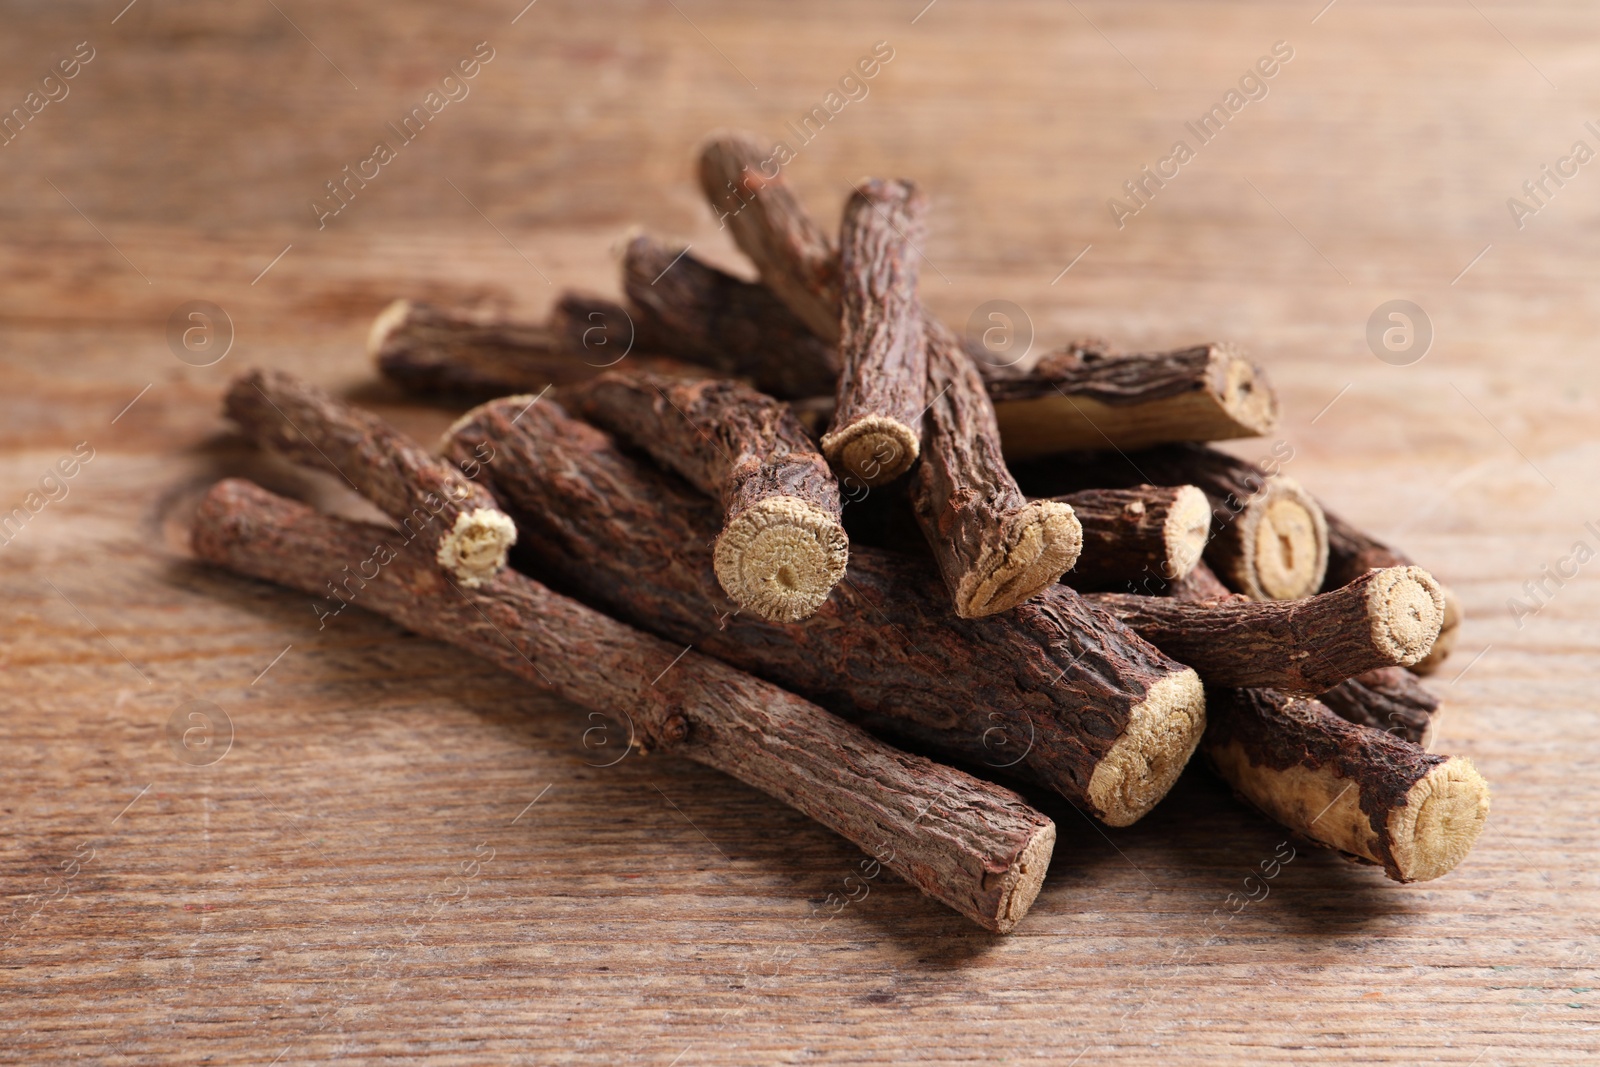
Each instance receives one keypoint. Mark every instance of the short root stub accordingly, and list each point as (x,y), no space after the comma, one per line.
(781,558)
(1287,546)
(1035,546)
(1406,607)
(475,549)
(875,449)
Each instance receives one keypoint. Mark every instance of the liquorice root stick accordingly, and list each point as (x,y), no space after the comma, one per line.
(1358,790)
(1352,552)
(973,846)
(1198,586)
(309,427)
(1138,534)
(1269,540)
(782,548)
(883,388)
(689,310)
(1082,396)
(791,252)
(995,548)
(1055,692)
(1390,699)
(1385,618)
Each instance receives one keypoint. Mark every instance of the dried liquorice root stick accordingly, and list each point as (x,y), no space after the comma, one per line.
(876,432)
(1056,691)
(791,252)
(995,548)
(428,349)
(450,510)
(688,309)
(973,846)
(1352,552)
(782,548)
(1384,618)
(1358,790)
(1132,535)
(1084,397)
(1390,699)
(1269,539)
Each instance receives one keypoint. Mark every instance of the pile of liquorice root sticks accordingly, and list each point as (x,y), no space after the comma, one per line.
(870,530)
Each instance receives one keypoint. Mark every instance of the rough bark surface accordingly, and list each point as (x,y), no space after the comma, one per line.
(883,386)
(1135,535)
(1084,397)
(1056,692)
(685,308)
(1201,584)
(1370,795)
(994,548)
(976,847)
(782,548)
(426,495)
(791,252)
(1352,552)
(1269,540)
(1384,618)
(1390,699)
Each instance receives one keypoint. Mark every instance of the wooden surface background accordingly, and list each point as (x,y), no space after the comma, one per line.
(403,858)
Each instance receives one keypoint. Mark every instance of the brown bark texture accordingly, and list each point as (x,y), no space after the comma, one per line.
(1352,552)
(995,549)
(791,252)
(428,496)
(687,309)
(1057,692)
(883,387)
(971,845)
(1131,536)
(1200,584)
(1385,618)
(1085,397)
(1390,699)
(1370,795)
(782,547)
(1268,541)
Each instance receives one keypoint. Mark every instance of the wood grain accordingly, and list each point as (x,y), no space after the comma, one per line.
(278,899)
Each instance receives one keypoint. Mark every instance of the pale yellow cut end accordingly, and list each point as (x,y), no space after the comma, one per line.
(1187,528)
(1448,630)
(1246,397)
(1146,760)
(781,558)
(1443,815)
(1024,878)
(1290,550)
(475,548)
(875,449)
(388,321)
(1034,547)
(1406,608)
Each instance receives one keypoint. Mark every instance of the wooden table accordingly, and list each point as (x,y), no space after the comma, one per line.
(401,857)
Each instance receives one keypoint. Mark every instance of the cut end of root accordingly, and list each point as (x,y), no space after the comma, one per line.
(388,321)
(1247,397)
(1035,546)
(876,449)
(475,548)
(1443,815)
(781,558)
(1289,544)
(1024,879)
(1406,609)
(1187,529)
(1145,762)
(1453,614)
